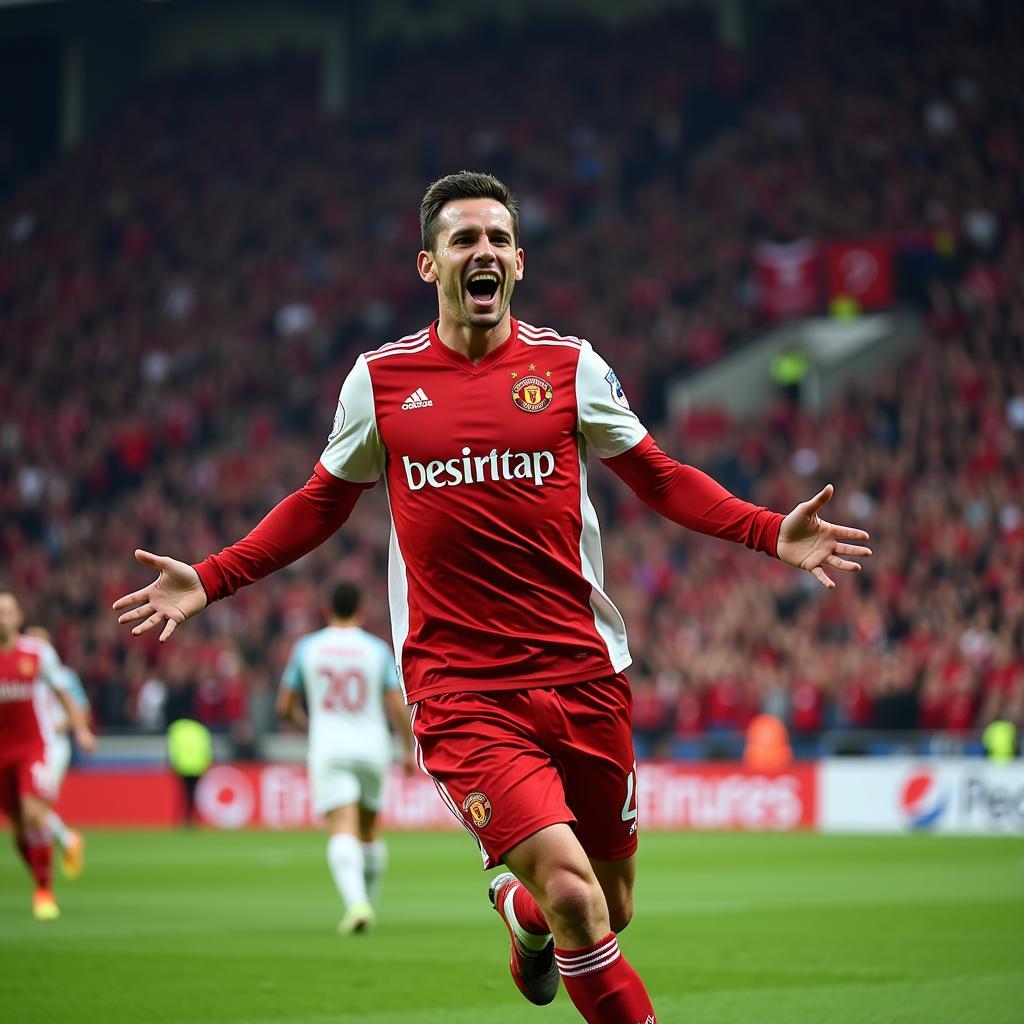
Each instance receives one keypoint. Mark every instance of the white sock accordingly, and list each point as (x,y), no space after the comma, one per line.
(60,832)
(527,940)
(375,863)
(345,857)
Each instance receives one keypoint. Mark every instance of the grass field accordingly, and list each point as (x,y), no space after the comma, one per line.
(222,928)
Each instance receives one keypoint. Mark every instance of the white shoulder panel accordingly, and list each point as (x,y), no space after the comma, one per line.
(354,449)
(607,423)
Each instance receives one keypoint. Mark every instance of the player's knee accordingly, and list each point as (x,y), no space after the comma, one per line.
(571,897)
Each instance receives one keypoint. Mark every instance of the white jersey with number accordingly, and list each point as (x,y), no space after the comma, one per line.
(345,673)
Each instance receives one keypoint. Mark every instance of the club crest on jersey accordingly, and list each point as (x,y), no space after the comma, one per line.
(26,665)
(532,394)
(478,807)
(618,395)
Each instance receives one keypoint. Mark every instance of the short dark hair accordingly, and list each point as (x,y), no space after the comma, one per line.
(464,185)
(345,598)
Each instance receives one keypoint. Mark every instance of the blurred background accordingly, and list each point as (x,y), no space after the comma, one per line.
(802,251)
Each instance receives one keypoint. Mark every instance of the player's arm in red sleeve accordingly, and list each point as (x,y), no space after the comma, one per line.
(293,528)
(296,525)
(692,499)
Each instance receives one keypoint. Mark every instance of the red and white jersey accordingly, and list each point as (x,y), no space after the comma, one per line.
(26,670)
(496,574)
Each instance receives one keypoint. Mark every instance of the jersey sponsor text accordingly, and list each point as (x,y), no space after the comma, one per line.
(16,690)
(475,469)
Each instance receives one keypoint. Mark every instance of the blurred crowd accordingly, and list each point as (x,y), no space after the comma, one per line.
(181,298)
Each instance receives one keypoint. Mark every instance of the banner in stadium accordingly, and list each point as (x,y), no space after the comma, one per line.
(862,271)
(788,277)
(953,796)
(670,796)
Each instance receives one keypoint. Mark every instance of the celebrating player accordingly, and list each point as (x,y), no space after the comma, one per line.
(509,649)
(58,758)
(27,665)
(351,689)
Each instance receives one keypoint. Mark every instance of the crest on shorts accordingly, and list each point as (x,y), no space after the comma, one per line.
(532,394)
(478,807)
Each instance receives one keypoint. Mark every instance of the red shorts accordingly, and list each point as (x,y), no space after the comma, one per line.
(25,774)
(511,762)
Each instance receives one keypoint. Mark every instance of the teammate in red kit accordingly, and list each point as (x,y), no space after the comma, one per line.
(509,650)
(26,787)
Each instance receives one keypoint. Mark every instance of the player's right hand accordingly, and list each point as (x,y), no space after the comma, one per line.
(174,596)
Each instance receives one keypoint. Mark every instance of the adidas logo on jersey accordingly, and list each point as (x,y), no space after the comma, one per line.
(417,400)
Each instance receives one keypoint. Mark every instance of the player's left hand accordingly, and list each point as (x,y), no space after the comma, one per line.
(811,543)
(409,764)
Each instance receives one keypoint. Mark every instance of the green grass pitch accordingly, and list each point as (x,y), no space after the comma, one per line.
(221,928)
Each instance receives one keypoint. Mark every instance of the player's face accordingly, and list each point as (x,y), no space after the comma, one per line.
(475,262)
(10,617)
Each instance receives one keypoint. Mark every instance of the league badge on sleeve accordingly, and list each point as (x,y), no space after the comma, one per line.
(339,421)
(618,395)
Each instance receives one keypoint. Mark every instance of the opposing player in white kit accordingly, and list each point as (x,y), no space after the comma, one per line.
(58,760)
(351,688)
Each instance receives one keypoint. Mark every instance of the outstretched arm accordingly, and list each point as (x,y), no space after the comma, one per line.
(691,498)
(299,523)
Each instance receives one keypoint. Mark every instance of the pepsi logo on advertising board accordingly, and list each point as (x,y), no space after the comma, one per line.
(923,801)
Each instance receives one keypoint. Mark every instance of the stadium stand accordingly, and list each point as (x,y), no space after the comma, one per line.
(181,297)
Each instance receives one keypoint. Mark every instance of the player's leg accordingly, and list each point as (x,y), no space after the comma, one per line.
(492,775)
(375,852)
(372,781)
(10,804)
(557,872)
(71,843)
(490,768)
(39,854)
(59,831)
(594,750)
(617,878)
(335,796)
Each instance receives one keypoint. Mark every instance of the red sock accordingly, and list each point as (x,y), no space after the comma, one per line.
(40,858)
(602,985)
(528,913)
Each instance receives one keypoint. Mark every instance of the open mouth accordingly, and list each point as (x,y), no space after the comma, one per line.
(483,288)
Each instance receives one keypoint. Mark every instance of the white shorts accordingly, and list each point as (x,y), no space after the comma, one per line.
(336,783)
(58,757)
